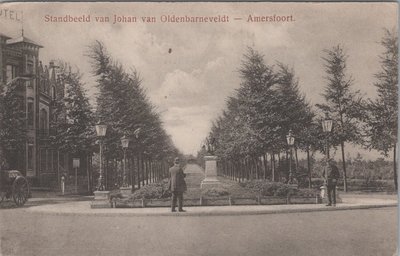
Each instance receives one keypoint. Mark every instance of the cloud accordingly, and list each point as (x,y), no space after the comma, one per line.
(190,83)
(181,89)
(188,125)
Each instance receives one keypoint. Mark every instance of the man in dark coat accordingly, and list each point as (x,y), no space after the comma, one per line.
(177,185)
(331,176)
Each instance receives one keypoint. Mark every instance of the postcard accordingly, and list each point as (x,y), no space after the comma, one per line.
(212,128)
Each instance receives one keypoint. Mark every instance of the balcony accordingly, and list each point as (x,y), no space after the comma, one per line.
(45,133)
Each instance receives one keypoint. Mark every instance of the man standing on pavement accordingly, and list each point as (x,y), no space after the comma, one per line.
(331,176)
(177,185)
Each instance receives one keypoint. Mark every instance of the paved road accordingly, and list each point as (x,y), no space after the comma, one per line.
(351,233)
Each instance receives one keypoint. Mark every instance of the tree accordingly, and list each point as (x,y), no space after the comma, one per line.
(341,101)
(258,117)
(12,124)
(73,117)
(255,103)
(123,105)
(382,112)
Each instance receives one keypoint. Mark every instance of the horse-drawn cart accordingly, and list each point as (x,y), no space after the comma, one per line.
(14,185)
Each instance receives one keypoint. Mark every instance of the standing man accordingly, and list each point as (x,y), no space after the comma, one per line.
(177,185)
(331,176)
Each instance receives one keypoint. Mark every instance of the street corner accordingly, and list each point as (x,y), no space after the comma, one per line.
(104,209)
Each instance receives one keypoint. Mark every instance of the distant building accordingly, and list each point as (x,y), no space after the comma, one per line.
(41,87)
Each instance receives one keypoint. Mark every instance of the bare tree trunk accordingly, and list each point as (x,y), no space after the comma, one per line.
(256,167)
(246,169)
(235,171)
(242,168)
(344,168)
(265,166)
(88,172)
(150,170)
(309,167)
(297,159)
(394,167)
(272,166)
(226,168)
(146,167)
(279,167)
(251,161)
(58,168)
(106,174)
(138,169)
(132,173)
(288,159)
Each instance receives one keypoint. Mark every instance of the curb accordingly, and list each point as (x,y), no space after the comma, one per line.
(137,213)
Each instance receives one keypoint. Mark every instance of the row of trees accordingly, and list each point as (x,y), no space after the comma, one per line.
(268,104)
(122,104)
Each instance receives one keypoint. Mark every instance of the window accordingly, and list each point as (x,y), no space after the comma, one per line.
(43,125)
(30,112)
(28,83)
(29,67)
(10,73)
(53,92)
(43,160)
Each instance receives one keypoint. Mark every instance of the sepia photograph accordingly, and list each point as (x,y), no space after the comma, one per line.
(199,128)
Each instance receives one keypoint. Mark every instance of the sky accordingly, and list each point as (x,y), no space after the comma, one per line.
(189,69)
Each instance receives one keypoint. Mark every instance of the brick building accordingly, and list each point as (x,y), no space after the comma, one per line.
(41,86)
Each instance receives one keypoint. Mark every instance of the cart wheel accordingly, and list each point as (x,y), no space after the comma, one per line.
(20,191)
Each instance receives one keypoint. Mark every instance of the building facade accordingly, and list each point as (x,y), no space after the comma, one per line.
(41,87)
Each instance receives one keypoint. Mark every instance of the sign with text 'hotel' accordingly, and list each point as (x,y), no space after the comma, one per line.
(11,14)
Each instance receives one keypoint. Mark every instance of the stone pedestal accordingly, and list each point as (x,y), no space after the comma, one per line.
(210,172)
(101,199)
(102,195)
(125,191)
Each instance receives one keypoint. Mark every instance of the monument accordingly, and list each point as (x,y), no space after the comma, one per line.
(210,172)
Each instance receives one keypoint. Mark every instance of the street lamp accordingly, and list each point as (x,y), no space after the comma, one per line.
(125,145)
(137,133)
(101,130)
(327,128)
(290,142)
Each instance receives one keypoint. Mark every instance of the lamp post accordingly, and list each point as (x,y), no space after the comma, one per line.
(101,130)
(75,165)
(125,145)
(327,128)
(290,142)
(137,133)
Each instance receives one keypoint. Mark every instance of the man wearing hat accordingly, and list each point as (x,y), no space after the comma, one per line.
(331,176)
(177,185)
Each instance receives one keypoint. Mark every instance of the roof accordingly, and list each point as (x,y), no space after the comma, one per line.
(22,39)
(2,35)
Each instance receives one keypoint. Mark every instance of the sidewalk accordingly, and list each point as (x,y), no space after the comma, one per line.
(81,206)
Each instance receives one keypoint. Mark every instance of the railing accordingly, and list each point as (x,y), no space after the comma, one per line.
(45,133)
